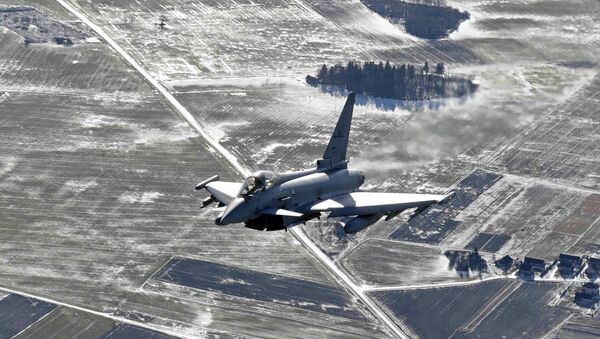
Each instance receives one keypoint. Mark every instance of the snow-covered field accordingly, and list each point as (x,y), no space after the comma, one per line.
(99,155)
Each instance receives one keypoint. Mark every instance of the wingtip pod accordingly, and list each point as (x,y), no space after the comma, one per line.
(206,182)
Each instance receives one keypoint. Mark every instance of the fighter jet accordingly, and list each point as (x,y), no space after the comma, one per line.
(275,201)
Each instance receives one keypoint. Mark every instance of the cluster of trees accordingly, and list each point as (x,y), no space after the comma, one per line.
(404,82)
(424,21)
(465,262)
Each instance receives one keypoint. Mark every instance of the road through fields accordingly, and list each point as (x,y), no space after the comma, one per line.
(220,150)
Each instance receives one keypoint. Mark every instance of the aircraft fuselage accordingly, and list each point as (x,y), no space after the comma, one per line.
(292,194)
(270,201)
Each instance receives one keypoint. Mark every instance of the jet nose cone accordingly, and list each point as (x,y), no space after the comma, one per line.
(232,213)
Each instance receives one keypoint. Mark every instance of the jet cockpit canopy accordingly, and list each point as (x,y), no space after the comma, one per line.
(256,182)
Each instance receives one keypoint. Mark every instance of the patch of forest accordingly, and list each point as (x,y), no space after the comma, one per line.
(421,20)
(403,82)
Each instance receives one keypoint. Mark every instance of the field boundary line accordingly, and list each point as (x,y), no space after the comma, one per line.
(220,150)
(97,313)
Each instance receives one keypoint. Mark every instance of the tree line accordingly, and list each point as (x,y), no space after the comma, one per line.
(421,20)
(403,82)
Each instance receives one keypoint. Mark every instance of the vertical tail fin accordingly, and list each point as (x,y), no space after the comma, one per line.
(335,154)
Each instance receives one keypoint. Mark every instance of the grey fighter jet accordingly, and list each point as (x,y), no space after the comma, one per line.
(275,201)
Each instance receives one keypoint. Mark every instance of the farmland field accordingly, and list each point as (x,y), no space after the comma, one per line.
(97,176)
(97,169)
(509,308)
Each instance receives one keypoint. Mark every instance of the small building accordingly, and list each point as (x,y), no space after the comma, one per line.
(569,265)
(591,288)
(593,269)
(588,295)
(537,265)
(62,40)
(526,271)
(505,263)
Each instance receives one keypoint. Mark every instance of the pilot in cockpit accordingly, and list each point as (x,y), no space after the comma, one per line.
(257,182)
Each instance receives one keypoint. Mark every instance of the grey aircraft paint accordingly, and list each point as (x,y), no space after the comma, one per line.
(271,201)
